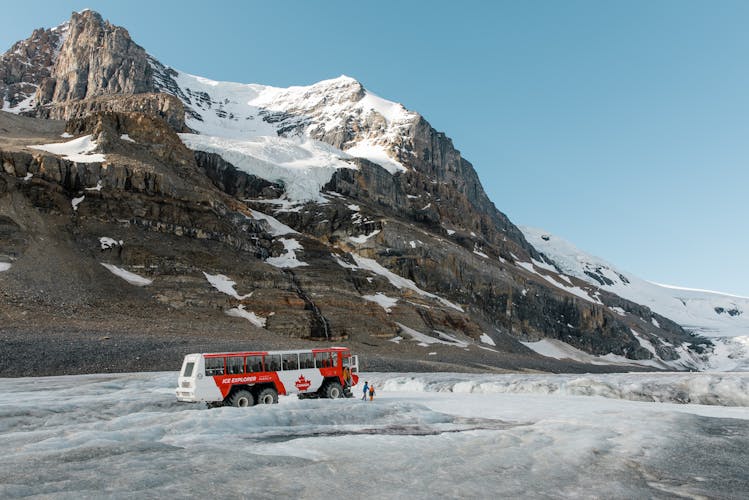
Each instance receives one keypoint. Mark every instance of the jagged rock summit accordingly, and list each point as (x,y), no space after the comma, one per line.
(206,214)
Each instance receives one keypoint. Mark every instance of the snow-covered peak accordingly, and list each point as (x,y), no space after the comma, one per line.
(704,312)
(295,135)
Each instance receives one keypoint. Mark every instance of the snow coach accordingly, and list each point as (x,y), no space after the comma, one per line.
(258,377)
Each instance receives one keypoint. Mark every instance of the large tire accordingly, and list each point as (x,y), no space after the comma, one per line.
(333,390)
(241,399)
(268,396)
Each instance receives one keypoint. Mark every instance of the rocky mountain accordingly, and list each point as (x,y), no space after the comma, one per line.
(722,317)
(143,201)
(712,314)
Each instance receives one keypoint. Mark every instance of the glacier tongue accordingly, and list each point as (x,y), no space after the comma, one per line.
(303,165)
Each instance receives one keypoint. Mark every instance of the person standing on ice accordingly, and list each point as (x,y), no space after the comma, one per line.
(371,392)
(366,390)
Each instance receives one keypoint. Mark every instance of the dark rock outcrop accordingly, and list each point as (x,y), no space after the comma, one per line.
(163,106)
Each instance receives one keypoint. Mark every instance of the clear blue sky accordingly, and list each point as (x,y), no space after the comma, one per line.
(620,126)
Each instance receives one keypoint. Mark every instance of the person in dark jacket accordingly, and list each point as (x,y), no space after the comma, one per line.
(366,391)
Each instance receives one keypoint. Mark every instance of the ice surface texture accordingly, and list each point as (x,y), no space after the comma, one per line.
(125,436)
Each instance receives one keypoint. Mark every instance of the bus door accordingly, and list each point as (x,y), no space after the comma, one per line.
(351,364)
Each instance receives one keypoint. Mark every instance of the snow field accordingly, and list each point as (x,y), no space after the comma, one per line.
(125,435)
(224,285)
(695,310)
(395,280)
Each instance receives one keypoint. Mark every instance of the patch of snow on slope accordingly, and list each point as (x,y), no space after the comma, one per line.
(106,243)
(574,290)
(131,278)
(376,153)
(288,258)
(383,300)
(425,340)
(4,266)
(77,201)
(704,312)
(553,348)
(225,285)
(362,238)
(27,104)
(399,281)
(644,343)
(486,339)
(619,311)
(478,252)
(79,150)
(343,263)
(277,228)
(240,312)
(98,187)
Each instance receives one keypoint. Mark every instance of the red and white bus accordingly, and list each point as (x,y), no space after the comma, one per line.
(246,378)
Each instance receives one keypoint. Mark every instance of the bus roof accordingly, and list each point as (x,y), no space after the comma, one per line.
(260,353)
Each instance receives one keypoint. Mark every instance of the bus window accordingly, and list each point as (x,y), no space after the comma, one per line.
(234,365)
(214,366)
(188,369)
(272,362)
(290,361)
(322,360)
(254,363)
(306,360)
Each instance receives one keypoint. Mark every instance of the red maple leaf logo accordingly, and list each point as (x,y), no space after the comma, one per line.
(303,383)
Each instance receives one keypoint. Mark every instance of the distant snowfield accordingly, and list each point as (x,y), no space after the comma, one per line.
(424,436)
(708,313)
(553,348)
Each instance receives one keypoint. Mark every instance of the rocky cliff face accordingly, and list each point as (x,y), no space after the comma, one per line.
(96,59)
(82,59)
(401,240)
(27,65)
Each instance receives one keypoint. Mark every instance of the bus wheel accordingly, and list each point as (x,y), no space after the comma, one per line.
(333,390)
(267,396)
(241,399)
